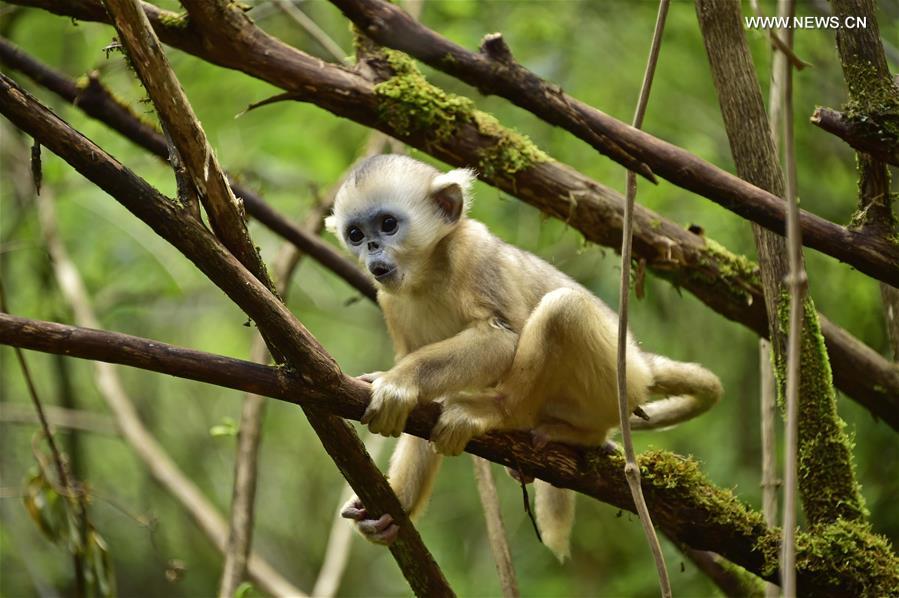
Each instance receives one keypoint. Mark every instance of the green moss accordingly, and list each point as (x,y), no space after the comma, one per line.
(410,104)
(827,479)
(739,275)
(750,585)
(683,476)
(846,556)
(872,97)
(174,20)
(839,556)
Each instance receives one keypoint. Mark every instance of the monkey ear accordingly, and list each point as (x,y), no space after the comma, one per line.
(451,192)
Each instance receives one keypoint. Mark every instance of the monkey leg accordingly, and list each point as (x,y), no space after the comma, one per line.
(413,467)
(562,383)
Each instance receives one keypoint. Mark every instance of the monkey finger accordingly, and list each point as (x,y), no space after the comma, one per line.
(370,377)
(369,527)
(354,511)
(387,537)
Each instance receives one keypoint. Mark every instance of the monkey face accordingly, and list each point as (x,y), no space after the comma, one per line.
(391,211)
(376,238)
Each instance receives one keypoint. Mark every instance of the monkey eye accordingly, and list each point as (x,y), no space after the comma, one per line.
(355,235)
(389,225)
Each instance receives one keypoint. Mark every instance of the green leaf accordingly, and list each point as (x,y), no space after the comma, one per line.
(227,427)
(244,590)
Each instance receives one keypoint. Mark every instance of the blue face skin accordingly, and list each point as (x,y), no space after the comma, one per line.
(374,237)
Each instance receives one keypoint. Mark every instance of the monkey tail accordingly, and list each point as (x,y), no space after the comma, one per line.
(555,517)
(689,388)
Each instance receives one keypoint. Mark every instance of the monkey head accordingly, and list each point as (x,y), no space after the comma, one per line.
(391,212)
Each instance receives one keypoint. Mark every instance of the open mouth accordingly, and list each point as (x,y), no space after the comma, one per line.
(382,271)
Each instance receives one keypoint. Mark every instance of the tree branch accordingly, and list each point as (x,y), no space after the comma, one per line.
(98,102)
(725,282)
(493,70)
(173,222)
(865,135)
(191,146)
(687,506)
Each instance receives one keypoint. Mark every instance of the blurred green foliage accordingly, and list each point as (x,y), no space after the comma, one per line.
(293,153)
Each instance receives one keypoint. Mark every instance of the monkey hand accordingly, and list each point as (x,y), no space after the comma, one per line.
(380,531)
(454,429)
(370,377)
(391,402)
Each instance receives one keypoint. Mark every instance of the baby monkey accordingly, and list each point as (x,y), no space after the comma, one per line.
(501,338)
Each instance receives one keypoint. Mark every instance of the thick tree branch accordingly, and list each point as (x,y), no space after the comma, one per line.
(865,135)
(174,223)
(493,70)
(686,506)
(725,282)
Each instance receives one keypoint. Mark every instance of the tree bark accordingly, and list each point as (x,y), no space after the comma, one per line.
(826,477)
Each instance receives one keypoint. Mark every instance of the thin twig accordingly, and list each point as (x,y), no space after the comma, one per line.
(58,461)
(796,284)
(770,483)
(631,469)
(312,28)
(138,437)
(777,43)
(496,532)
(60,417)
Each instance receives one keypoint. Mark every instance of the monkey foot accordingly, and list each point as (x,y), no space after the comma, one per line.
(380,531)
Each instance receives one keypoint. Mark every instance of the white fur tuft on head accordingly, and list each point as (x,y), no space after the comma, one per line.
(463,177)
(331,224)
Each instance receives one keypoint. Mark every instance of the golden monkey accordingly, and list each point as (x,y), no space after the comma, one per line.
(501,338)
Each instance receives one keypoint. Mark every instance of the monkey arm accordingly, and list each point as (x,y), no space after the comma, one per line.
(475,358)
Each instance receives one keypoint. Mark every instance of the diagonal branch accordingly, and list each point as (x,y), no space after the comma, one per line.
(688,508)
(173,222)
(493,70)
(192,147)
(727,283)
(98,102)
